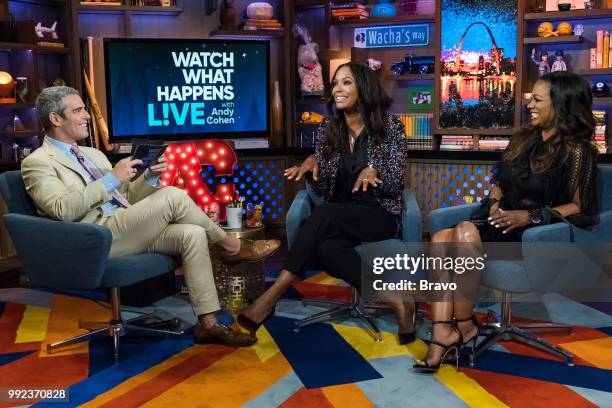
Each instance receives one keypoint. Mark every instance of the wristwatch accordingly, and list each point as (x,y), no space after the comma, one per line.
(535,216)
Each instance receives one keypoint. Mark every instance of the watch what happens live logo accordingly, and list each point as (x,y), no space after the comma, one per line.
(207,76)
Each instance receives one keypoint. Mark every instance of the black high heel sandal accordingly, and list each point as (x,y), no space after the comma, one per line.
(446,349)
(472,339)
(246,323)
(409,337)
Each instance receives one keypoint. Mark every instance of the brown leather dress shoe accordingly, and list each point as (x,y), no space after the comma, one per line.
(252,251)
(221,334)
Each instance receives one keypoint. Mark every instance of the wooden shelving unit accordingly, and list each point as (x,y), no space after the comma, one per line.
(38,49)
(308,4)
(20,133)
(377,21)
(569,15)
(16,105)
(594,72)
(310,101)
(411,77)
(248,34)
(566,39)
(156,10)
(602,101)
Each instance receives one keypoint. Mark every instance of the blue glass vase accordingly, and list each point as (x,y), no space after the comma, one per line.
(384,8)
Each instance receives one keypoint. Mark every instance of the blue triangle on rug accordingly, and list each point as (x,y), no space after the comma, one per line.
(319,355)
(10,357)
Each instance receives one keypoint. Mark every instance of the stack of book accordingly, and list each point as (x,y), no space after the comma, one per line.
(349,11)
(260,24)
(418,130)
(601,57)
(600,131)
(494,144)
(457,142)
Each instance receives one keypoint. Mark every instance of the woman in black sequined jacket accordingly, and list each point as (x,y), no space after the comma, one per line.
(358,168)
(388,158)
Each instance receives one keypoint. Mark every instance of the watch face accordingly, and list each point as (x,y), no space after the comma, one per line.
(535,217)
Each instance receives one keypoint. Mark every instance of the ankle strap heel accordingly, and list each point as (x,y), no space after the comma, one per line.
(455,347)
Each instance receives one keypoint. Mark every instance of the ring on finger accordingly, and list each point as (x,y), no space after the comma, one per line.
(365,179)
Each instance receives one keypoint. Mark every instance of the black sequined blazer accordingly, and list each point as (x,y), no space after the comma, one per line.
(388,158)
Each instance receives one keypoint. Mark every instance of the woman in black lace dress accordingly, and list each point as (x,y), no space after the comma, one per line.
(547,170)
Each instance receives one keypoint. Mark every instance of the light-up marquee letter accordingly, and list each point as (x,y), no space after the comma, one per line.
(184,167)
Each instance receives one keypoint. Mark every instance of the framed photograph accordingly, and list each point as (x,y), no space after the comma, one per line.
(478,48)
(420,98)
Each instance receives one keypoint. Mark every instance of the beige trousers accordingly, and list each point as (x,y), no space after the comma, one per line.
(169,222)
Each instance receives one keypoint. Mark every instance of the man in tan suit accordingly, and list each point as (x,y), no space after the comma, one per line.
(74,183)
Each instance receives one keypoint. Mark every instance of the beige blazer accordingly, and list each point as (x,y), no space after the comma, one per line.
(59,185)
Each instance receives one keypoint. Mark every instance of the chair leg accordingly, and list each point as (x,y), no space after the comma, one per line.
(322,302)
(545,327)
(143,330)
(323,316)
(91,326)
(116,339)
(369,322)
(117,327)
(505,330)
(78,339)
(353,309)
(487,343)
(534,341)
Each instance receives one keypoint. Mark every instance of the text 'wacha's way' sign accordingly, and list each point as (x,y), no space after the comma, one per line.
(183,87)
(411,35)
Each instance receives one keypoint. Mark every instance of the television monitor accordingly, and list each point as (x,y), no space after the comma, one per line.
(187,89)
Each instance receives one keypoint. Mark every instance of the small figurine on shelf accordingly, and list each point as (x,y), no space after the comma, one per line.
(543,65)
(311,118)
(374,64)
(46,32)
(559,64)
(309,68)
(227,15)
(545,29)
(578,29)
(47,36)
(564,28)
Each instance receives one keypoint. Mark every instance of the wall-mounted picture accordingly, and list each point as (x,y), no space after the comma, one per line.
(478,64)
(420,97)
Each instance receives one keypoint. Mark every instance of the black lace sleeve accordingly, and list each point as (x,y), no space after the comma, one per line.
(582,174)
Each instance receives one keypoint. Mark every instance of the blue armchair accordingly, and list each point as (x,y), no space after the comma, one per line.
(72,255)
(301,208)
(525,276)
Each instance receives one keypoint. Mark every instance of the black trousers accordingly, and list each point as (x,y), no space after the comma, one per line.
(329,236)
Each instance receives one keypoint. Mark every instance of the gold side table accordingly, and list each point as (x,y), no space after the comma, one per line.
(238,284)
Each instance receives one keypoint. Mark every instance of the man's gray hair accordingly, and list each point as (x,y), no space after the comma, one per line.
(52,100)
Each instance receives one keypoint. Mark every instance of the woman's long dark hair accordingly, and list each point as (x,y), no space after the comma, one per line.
(574,123)
(372,104)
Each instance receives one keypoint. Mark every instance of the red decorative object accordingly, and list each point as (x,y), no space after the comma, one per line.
(185,162)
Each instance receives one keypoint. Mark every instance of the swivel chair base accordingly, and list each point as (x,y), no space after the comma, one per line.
(117,327)
(505,330)
(353,309)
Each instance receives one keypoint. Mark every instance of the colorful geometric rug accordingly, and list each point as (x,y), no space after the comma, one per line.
(324,365)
